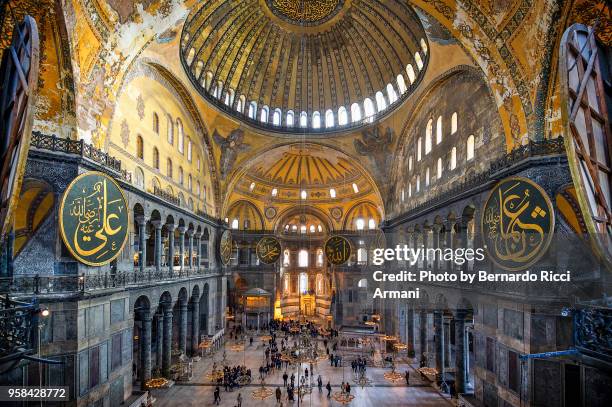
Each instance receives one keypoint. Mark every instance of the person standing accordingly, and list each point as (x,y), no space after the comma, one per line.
(320,384)
(285,377)
(328,387)
(239,399)
(217,395)
(407,375)
(278,394)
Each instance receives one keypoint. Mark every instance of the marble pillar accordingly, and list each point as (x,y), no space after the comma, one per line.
(181,230)
(195,325)
(461,352)
(198,250)
(450,226)
(410,329)
(142,242)
(160,339)
(167,346)
(190,248)
(145,348)
(170,249)
(158,244)
(182,337)
(439,341)
(423,333)
(447,342)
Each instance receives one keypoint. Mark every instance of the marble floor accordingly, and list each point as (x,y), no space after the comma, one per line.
(380,393)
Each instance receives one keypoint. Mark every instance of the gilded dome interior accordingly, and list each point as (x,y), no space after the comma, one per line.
(289,65)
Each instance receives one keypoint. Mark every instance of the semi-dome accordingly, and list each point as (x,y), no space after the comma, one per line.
(291,65)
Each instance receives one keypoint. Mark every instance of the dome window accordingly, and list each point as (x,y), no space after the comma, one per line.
(332,193)
(355,188)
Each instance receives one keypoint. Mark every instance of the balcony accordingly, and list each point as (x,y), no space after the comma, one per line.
(15,329)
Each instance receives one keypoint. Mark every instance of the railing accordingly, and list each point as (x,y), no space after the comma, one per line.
(15,327)
(56,284)
(166,196)
(531,149)
(593,331)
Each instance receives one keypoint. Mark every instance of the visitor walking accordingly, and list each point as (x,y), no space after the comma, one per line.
(407,375)
(217,396)
(328,387)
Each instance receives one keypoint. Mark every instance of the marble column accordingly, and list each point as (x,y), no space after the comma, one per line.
(423,333)
(447,343)
(142,242)
(461,352)
(190,248)
(198,250)
(145,348)
(463,233)
(435,244)
(195,325)
(160,338)
(181,230)
(170,228)
(450,225)
(410,329)
(158,244)
(167,350)
(439,341)
(182,337)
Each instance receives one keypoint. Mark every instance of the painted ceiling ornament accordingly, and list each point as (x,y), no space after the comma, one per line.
(94,218)
(230,147)
(337,250)
(125,133)
(268,249)
(270,212)
(305,12)
(336,213)
(518,221)
(376,145)
(140,107)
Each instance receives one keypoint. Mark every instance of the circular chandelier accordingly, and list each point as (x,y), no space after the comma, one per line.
(156,383)
(262,392)
(343,397)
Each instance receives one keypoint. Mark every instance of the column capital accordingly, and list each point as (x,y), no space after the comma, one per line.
(181,229)
(141,220)
(144,313)
(170,227)
(460,313)
(190,233)
(157,224)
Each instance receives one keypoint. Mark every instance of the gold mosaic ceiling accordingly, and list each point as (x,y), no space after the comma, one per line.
(238,52)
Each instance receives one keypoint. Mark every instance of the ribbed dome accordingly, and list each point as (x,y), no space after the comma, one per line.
(291,64)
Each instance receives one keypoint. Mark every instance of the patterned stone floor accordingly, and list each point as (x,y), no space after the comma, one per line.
(381,393)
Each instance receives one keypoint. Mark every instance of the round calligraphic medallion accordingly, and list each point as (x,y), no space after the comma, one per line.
(225,247)
(94,218)
(268,249)
(518,221)
(337,250)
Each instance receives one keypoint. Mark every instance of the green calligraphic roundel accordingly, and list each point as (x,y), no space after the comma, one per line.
(268,249)
(94,218)
(518,221)
(226,247)
(337,250)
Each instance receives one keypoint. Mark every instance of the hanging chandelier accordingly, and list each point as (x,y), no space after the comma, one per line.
(262,392)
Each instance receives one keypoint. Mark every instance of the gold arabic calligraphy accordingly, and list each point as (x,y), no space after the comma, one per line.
(337,250)
(517,222)
(268,250)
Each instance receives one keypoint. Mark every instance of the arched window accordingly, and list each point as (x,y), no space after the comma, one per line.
(304,280)
(342,116)
(423,45)
(252,110)
(453,161)
(391,93)
(440,168)
(409,163)
(316,120)
(381,104)
(169,168)
(155,158)
(427,177)
(286,280)
(319,257)
(303,194)
(240,104)
(329,118)
(418,183)
(189,149)
(439,130)
(428,132)
(189,182)
(290,118)
(218,89)
(190,204)
(409,189)
(235,223)
(139,178)
(470,147)
(303,119)
(229,97)
(401,84)
(332,193)
(411,74)
(359,224)
(363,283)
(362,255)
(372,223)
(303,258)
(252,186)
(286,257)
(181,135)
(190,56)
(198,188)
(355,112)
(170,129)
(454,123)
(274,191)
(208,80)
(265,110)
(180,175)
(418,60)
(355,188)
(312,229)
(419,142)
(139,147)
(155,123)
(368,108)
(156,184)
(403,195)
(276,117)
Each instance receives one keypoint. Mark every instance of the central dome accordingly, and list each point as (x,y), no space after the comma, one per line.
(296,65)
(305,12)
